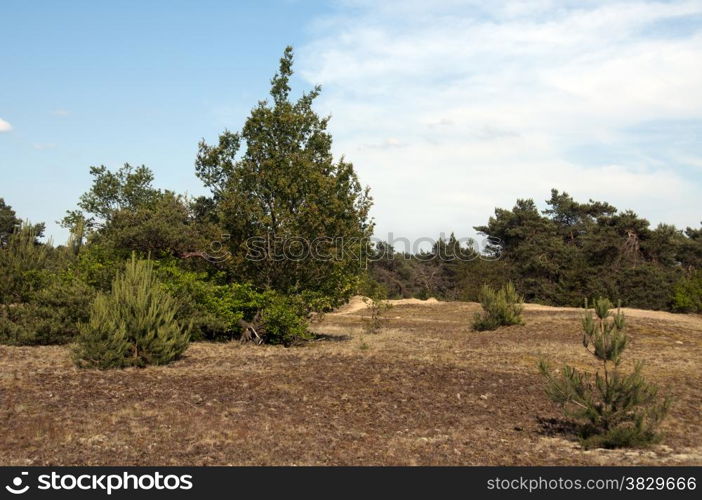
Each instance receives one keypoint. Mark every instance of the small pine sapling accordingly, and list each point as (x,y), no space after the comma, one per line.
(615,409)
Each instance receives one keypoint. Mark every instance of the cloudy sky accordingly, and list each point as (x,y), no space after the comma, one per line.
(447,108)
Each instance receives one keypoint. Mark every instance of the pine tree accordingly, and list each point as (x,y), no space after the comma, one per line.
(501,307)
(135,325)
(22,263)
(619,410)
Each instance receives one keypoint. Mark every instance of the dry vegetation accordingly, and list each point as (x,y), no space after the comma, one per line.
(424,391)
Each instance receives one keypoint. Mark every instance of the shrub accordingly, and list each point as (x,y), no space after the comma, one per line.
(52,315)
(615,409)
(134,325)
(687,294)
(22,265)
(283,320)
(208,305)
(501,307)
(217,310)
(376,319)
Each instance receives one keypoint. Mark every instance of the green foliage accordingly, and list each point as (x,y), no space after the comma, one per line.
(125,189)
(687,294)
(23,265)
(9,223)
(615,409)
(376,320)
(214,306)
(164,227)
(297,220)
(52,316)
(98,265)
(217,308)
(572,248)
(501,307)
(283,321)
(134,325)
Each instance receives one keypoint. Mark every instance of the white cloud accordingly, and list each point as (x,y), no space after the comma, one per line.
(5,126)
(450,108)
(43,146)
(60,112)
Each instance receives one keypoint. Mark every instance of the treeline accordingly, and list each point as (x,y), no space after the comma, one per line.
(557,256)
(146,270)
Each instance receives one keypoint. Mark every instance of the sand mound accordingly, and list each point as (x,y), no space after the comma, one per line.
(693,320)
(359,303)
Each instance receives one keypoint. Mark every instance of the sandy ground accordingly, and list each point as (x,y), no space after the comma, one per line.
(423,391)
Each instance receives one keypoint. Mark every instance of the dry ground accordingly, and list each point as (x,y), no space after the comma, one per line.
(424,391)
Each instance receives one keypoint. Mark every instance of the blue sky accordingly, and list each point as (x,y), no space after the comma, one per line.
(447,108)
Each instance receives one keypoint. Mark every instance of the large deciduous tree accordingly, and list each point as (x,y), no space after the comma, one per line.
(296,219)
(123,212)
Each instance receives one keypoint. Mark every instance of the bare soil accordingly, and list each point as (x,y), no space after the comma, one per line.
(424,391)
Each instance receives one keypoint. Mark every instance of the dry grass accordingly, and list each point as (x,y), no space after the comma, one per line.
(426,390)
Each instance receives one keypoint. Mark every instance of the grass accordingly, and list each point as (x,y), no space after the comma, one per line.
(424,391)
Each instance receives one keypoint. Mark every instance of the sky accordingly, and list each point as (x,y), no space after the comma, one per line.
(447,109)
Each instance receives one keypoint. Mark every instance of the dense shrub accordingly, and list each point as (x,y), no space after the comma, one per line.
(687,294)
(501,307)
(23,265)
(283,321)
(217,308)
(614,409)
(52,316)
(134,325)
(41,300)
(646,286)
(202,300)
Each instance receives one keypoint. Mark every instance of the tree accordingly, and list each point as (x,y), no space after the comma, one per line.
(134,325)
(533,247)
(8,222)
(23,264)
(127,188)
(572,249)
(618,410)
(124,213)
(164,227)
(501,307)
(296,220)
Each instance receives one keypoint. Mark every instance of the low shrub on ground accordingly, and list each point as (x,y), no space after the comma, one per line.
(283,320)
(217,309)
(613,409)
(133,325)
(687,294)
(501,307)
(52,315)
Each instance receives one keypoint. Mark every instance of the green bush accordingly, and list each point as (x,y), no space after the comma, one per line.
(23,265)
(214,307)
(52,315)
(614,409)
(283,321)
(687,294)
(501,307)
(134,325)
(217,309)
(201,300)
